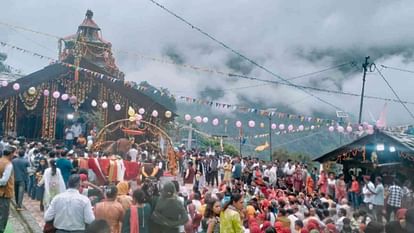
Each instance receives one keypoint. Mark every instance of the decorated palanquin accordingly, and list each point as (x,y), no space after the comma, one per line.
(84,81)
(110,170)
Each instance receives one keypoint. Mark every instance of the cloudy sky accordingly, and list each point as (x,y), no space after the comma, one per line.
(289,38)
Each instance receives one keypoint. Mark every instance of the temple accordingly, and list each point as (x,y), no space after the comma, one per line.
(84,84)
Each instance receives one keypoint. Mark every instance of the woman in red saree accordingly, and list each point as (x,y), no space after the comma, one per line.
(323,182)
(340,188)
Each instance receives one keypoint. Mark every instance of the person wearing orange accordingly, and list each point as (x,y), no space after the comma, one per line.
(309,185)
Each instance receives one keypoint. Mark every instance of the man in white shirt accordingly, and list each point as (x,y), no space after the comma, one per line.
(77,131)
(133,153)
(378,199)
(70,210)
(368,192)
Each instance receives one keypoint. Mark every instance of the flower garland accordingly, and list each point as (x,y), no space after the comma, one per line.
(30,100)
(3,103)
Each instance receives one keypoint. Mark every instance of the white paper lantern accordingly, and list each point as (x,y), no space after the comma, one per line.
(4,83)
(312,127)
(360,128)
(155,113)
(290,127)
(16,86)
(331,128)
(73,99)
(205,119)
(141,111)
(238,124)
(281,126)
(64,97)
(274,126)
(117,107)
(104,105)
(31,91)
(262,125)
(187,117)
(168,114)
(349,129)
(46,92)
(94,103)
(215,122)
(301,127)
(251,124)
(198,119)
(340,129)
(56,94)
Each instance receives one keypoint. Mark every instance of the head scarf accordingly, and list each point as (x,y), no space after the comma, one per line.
(123,188)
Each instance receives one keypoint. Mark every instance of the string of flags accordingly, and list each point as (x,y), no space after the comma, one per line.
(261,112)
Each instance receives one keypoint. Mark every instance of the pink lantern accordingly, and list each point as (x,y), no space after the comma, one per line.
(252,124)
(138,117)
(274,126)
(154,113)
(215,121)
(370,127)
(198,119)
(4,83)
(340,129)
(205,119)
(331,128)
(370,131)
(73,99)
(141,111)
(281,126)
(16,86)
(56,94)
(360,128)
(312,127)
(301,127)
(238,124)
(290,127)
(64,97)
(117,107)
(46,93)
(349,129)
(187,117)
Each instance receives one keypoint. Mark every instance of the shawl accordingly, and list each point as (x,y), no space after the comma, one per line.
(134,220)
(170,212)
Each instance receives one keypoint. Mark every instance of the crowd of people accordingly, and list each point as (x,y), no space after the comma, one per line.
(211,194)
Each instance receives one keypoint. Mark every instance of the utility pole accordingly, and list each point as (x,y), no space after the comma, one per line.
(270,137)
(190,136)
(365,66)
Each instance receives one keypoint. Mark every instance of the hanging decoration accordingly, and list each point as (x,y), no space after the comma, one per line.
(4,83)
(30,100)
(273,126)
(251,124)
(168,114)
(198,119)
(117,107)
(350,154)
(3,103)
(56,94)
(73,100)
(187,117)
(238,124)
(340,129)
(11,118)
(281,126)
(155,113)
(31,91)
(64,97)
(16,86)
(104,105)
(349,129)
(46,92)
(215,121)
(94,103)
(205,119)
(301,128)
(141,111)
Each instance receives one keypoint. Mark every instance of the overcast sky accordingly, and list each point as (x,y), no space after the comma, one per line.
(289,38)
